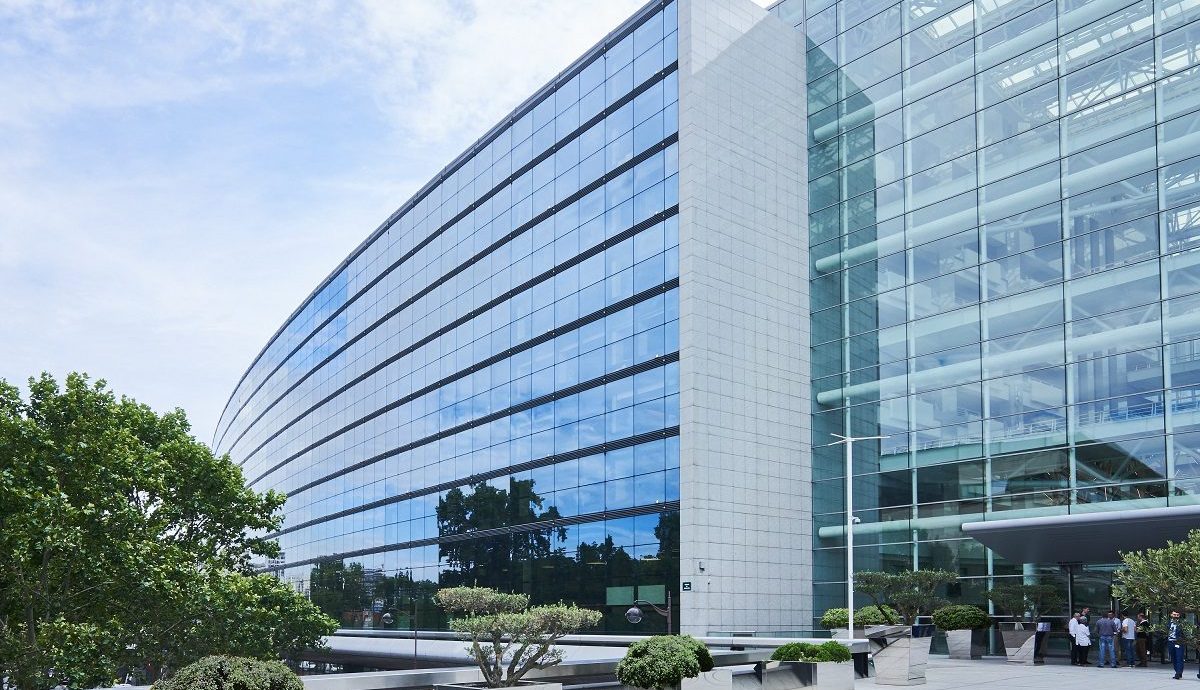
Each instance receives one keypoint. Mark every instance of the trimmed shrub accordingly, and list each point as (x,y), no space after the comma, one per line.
(663,661)
(961,617)
(870,615)
(805,651)
(232,673)
(835,618)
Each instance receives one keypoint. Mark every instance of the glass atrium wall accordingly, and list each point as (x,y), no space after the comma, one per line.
(486,392)
(1004,214)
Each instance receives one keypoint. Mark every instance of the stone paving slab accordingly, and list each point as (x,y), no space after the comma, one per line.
(997,674)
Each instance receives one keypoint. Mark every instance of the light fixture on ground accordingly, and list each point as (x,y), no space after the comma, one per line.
(634,614)
(850,521)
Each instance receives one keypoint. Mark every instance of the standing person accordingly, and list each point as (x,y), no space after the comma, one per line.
(1142,642)
(1083,639)
(1107,629)
(1071,626)
(1175,640)
(1128,635)
(1039,642)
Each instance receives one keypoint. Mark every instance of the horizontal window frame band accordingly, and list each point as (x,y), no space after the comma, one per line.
(604,311)
(516,232)
(541,525)
(628,442)
(466,318)
(575,134)
(638,368)
(607,310)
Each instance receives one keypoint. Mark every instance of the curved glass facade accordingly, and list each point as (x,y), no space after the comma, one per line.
(578,363)
(1004,207)
(487,391)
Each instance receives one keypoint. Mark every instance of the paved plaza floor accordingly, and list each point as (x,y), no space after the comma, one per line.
(998,674)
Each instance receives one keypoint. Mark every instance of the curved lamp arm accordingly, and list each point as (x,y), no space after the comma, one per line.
(664,612)
(657,609)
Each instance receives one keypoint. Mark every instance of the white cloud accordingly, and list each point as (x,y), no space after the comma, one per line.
(175,177)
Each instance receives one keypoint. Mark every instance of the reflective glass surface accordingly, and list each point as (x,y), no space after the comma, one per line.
(1003,213)
(500,357)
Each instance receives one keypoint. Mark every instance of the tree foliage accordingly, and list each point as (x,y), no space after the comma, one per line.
(961,617)
(663,661)
(128,543)
(1017,600)
(232,673)
(1166,578)
(508,637)
(812,653)
(911,592)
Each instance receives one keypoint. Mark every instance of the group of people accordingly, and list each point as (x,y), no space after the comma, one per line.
(1133,637)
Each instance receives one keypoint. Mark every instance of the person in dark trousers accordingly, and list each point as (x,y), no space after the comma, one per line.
(1083,638)
(1175,642)
(1128,634)
(1107,629)
(1142,641)
(1071,626)
(1039,642)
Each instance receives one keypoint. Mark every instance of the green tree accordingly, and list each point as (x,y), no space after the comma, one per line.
(1018,599)
(508,637)
(127,542)
(911,592)
(1166,578)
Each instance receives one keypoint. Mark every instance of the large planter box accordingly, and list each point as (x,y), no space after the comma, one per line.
(903,655)
(716,679)
(1018,641)
(791,675)
(966,644)
(524,685)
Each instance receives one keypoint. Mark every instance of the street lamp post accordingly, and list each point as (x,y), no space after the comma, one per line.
(634,614)
(849,441)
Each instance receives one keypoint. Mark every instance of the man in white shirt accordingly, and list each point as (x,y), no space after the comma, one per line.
(1128,635)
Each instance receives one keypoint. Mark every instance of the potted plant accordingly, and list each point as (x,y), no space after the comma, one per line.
(805,665)
(836,620)
(964,626)
(904,644)
(671,662)
(232,673)
(509,638)
(1015,601)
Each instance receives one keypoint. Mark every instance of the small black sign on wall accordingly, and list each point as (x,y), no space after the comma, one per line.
(687,587)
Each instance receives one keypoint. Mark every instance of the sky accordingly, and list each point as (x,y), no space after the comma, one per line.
(176,177)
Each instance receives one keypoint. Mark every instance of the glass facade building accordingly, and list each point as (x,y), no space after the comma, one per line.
(486,391)
(602,354)
(1003,224)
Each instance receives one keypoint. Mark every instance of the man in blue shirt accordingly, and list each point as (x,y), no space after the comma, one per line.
(1107,628)
(1175,641)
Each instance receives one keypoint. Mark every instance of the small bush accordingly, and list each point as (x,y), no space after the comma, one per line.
(663,661)
(961,617)
(835,618)
(232,673)
(870,615)
(805,651)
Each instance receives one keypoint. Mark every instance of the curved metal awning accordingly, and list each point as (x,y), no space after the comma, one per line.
(1098,537)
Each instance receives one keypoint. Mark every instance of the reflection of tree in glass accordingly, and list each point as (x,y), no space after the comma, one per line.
(348,592)
(486,562)
(337,589)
